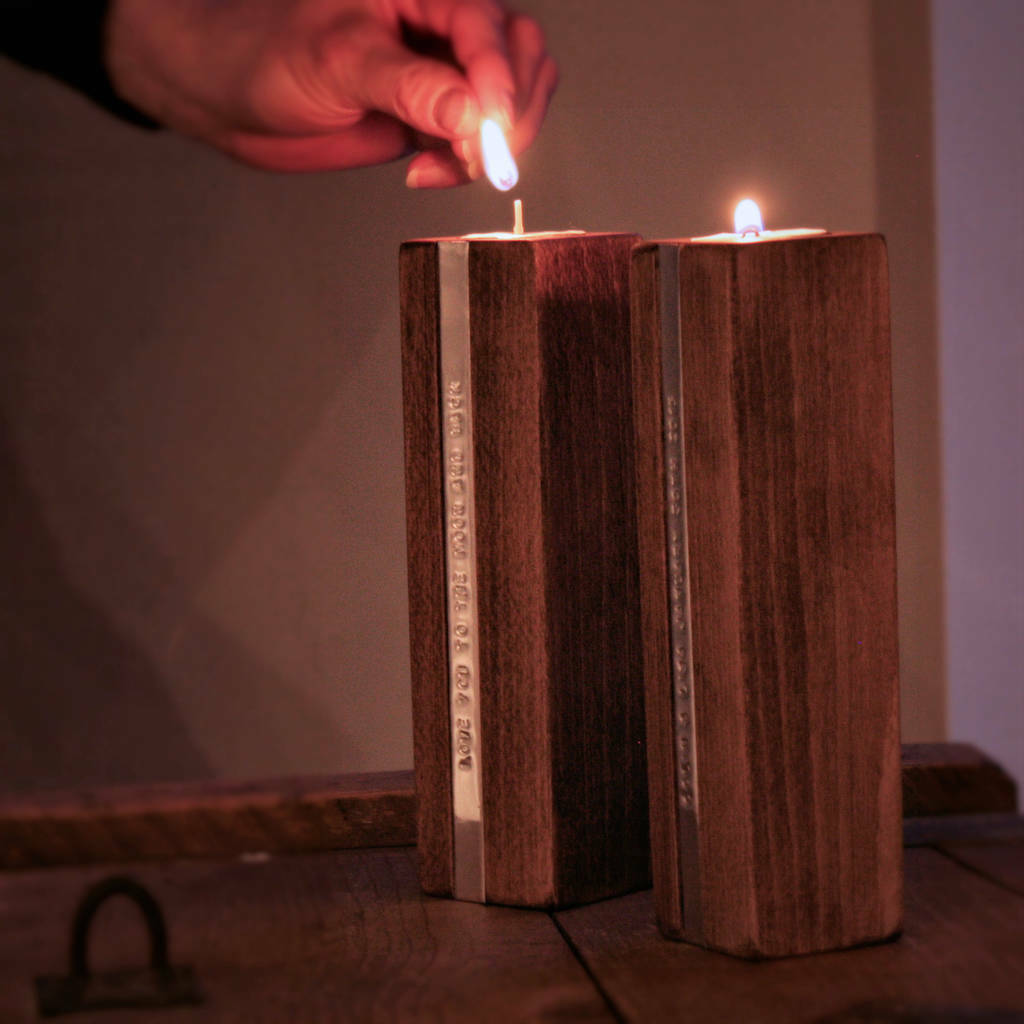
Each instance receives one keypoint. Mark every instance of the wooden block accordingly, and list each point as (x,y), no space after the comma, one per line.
(527,685)
(767,552)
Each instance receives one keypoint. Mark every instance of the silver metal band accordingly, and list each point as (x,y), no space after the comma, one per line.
(679,585)
(460,567)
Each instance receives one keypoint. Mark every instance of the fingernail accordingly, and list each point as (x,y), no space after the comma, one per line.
(412,178)
(508,107)
(454,112)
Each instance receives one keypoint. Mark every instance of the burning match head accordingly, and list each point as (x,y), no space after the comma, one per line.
(499,165)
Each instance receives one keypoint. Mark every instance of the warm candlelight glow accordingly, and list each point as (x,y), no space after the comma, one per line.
(747,218)
(749,227)
(499,165)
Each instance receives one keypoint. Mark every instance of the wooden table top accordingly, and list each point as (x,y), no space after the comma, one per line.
(347,936)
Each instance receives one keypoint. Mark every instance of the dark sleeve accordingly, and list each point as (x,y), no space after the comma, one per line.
(65,39)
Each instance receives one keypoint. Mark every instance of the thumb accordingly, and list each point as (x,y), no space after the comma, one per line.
(426,94)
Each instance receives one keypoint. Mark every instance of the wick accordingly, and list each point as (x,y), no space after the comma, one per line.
(517,228)
(750,229)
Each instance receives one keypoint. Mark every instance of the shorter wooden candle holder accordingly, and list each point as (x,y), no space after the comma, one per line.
(523,581)
(767,551)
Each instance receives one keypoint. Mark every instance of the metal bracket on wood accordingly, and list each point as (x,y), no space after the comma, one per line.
(157,985)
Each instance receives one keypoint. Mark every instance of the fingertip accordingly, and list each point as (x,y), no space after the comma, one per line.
(549,76)
(533,114)
(434,169)
(554,72)
(456,113)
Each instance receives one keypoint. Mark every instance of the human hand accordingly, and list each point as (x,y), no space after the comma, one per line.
(309,85)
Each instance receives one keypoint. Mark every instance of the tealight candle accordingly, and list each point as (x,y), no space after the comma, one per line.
(761,369)
(524,615)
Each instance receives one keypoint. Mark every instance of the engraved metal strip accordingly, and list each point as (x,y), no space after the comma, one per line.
(460,567)
(683,725)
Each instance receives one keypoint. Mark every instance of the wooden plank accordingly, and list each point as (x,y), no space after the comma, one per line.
(323,937)
(541,408)
(216,819)
(953,778)
(961,954)
(207,819)
(773,519)
(1002,862)
(962,827)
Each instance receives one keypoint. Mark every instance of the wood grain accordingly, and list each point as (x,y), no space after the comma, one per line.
(515,704)
(425,557)
(565,815)
(327,937)
(207,819)
(953,778)
(787,456)
(650,474)
(961,955)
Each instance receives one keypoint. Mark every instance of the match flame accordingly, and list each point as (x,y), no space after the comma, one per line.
(499,165)
(747,218)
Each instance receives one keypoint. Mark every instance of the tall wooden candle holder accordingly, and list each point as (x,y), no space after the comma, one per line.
(524,610)
(767,551)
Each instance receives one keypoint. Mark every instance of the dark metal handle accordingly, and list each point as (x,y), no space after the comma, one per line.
(95,897)
(160,984)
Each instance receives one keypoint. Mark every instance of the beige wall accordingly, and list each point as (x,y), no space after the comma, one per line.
(979,81)
(200,415)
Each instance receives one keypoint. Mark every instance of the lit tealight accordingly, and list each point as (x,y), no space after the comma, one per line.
(747,218)
(499,165)
(750,227)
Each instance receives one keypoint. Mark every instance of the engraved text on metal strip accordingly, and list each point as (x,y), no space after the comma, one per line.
(460,568)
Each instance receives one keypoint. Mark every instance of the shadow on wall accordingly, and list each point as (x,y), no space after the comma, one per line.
(191,393)
(80,700)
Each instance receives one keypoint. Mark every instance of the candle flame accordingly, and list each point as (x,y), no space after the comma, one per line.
(499,165)
(747,218)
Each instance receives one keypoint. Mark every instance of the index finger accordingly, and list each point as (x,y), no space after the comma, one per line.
(476,31)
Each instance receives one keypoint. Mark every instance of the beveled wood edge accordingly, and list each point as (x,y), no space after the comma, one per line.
(208,819)
(967,796)
(953,778)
